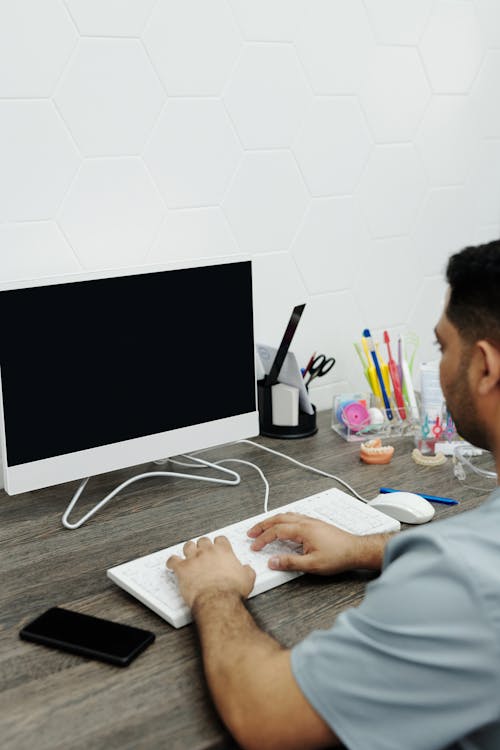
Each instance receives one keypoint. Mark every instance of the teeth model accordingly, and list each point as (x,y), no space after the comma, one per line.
(436,460)
(373,452)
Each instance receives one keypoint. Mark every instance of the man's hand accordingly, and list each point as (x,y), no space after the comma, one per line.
(212,567)
(326,548)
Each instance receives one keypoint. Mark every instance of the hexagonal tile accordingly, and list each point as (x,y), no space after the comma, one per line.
(484,99)
(454,29)
(36,249)
(38,160)
(333,323)
(36,40)
(193,44)
(444,226)
(110,96)
(111,213)
(109,17)
(333,146)
(278,287)
(268,20)
(193,152)
(483,185)
(193,233)
(391,190)
(267,95)
(446,140)
(331,244)
(394,94)
(266,201)
(387,282)
(334,42)
(426,311)
(398,21)
(489,20)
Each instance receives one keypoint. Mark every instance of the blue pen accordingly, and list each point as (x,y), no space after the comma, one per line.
(432,498)
(368,337)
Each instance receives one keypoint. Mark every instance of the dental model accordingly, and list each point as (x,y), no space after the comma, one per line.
(373,452)
(422,460)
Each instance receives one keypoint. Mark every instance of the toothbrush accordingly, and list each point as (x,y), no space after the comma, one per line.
(396,382)
(372,373)
(408,382)
(383,369)
(363,363)
(367,336)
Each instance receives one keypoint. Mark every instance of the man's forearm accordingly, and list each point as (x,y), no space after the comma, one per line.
(236,657)
(250,677)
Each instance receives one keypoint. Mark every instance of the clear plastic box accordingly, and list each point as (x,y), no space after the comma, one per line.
(361,416)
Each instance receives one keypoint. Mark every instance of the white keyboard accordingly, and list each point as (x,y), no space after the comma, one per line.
(154,585)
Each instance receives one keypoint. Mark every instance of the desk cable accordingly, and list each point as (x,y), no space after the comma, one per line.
(306,466)
(198,463)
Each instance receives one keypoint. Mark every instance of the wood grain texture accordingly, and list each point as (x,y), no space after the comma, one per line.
(51,700)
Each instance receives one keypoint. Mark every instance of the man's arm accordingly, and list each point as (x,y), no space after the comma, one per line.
(251,681)
(248,672)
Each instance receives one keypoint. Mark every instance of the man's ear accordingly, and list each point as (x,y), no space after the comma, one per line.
(488,367)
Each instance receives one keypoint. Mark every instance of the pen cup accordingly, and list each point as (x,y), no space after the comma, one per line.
(306,422)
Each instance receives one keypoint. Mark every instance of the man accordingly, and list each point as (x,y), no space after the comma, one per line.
(417,664)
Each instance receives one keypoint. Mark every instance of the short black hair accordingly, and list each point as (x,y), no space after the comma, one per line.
(474,305)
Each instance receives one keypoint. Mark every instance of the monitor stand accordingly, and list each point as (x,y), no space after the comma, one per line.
(147,475)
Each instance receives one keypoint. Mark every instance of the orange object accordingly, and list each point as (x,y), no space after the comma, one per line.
(373,452)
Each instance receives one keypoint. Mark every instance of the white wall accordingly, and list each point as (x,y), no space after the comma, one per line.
(348,146)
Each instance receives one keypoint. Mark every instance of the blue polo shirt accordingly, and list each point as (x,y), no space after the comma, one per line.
(417,664)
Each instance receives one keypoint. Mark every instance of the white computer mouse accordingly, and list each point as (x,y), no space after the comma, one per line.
(404,506)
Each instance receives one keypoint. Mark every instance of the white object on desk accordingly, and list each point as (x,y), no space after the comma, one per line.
(285,405)
(148,579)
(404,506)
(289,373)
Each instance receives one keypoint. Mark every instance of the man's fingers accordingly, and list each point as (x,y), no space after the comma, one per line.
(223,542)
(173,561)
(289,562)
(204,542)
(189,548)
(292,532)
(267,523)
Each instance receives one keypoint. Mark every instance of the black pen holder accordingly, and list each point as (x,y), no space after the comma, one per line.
(307,422)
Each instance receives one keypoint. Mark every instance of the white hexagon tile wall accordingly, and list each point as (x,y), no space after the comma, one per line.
(348,147)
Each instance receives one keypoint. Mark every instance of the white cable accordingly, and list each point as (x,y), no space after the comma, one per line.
(293,461)
(215,465)
(249,463)
(306,466)
(149,474)
(235,461)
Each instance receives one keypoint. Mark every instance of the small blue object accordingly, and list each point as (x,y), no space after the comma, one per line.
(432,498)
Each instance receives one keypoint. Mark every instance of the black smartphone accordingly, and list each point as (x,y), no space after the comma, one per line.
(88,636)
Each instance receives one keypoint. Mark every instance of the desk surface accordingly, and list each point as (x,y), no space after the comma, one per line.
(51,700)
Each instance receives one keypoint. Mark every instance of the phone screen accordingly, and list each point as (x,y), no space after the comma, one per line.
(88,636)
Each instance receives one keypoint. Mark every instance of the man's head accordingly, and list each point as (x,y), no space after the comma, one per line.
(469,335)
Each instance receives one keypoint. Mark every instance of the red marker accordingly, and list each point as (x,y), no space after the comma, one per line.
(309,365)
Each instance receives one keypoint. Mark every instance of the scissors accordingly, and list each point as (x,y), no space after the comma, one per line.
(320,366)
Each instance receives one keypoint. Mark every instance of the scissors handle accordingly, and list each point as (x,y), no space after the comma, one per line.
(321,366)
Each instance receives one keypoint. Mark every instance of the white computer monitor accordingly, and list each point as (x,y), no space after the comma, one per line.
(113,369)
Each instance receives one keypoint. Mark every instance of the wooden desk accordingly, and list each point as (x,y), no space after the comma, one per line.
(54,701)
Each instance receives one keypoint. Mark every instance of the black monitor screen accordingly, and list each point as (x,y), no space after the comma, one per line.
(90,363)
